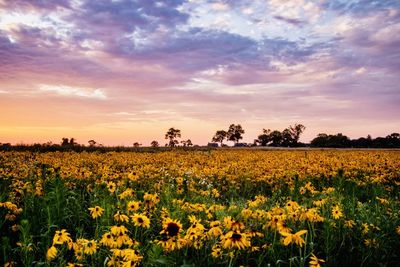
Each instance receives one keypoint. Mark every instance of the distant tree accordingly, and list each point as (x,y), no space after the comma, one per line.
(136,144)
(92,143)
(65,141)
(264,138)
(295,132)
(172,134)
(72,141)
(287,139)
(154,144)
(235,133)
(186,143)
(219,136)
(276,138)
(323,140)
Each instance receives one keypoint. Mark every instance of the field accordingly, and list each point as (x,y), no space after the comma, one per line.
(200,208)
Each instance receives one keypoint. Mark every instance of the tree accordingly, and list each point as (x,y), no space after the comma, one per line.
(295,133)
(154,144)
(264,138)
(276,138)
(72,141)
(136,144)
(65,141)
(219,136)
(235,133)
(172,134)
(186,143)
(92,143)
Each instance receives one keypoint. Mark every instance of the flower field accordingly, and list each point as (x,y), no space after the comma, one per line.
(200,208)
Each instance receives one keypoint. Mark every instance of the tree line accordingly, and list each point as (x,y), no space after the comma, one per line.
(288,137)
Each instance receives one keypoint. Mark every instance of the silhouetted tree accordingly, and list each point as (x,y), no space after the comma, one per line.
(65,141)
(219,136)
(72,141)
(186,143)
(295,133)
(323,140)
(264,138)
(136,144)
(154,144)
(276,138)
(287,139)
(172,134)
(92,143)
(235,133)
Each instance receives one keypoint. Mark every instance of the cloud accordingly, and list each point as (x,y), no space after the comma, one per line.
(64,90)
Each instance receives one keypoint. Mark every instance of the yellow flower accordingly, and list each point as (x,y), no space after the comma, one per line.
(111,187)
(96,211)
(90,247)
(133,206)
(336,212)
(398,230)
(61,237)
(294,238)
(216,251)
(171,227)
(107,240)
(120,217)
(235,239)
(141,220)
(314,261)
(116,230)
(51,253)
(349,224)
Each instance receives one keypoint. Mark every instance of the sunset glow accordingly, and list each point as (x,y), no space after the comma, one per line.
(125,71)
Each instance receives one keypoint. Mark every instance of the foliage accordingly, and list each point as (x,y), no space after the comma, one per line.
(200,208)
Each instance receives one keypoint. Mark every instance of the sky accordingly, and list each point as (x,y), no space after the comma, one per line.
(125,71)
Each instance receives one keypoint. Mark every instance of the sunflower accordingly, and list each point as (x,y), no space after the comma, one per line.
(171,227)
(235,239)
(141,220)
(96,211)
(51,253)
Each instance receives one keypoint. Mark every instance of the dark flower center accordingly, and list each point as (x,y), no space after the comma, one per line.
(236,236)
(140,220)
(172,229)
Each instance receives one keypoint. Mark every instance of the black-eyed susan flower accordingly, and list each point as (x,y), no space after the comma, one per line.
(140,220)
(61,237)
(216,251)
(314,261)
(120,217)
(116,230)
(96,211)
(133,206)
(90,247)
(296,238)
(107,240)
(171,227)
(336,212)
(51,253)
(235,240)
